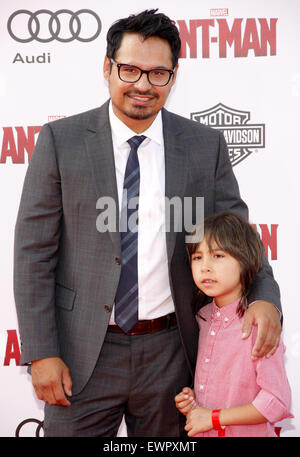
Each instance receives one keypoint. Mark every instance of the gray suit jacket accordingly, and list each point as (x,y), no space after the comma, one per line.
(66,272)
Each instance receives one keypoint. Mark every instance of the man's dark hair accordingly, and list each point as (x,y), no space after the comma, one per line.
(148,24)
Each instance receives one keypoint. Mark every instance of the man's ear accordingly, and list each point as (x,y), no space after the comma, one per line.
(106,67)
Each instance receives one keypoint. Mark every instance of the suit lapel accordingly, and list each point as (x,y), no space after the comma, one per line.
(101,159)
(175,174)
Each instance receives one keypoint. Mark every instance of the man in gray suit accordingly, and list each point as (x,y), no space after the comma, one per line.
(96,354)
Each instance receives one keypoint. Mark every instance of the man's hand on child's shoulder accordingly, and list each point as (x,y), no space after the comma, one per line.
(267,317)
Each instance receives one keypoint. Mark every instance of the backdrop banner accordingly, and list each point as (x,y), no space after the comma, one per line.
(239,71)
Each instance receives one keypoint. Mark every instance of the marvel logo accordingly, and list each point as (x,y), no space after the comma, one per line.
(214,12)
(55,117)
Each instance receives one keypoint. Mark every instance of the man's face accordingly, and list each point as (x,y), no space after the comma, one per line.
(137,104)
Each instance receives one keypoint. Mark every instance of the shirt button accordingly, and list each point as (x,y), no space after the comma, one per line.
(226,319)
(201,387)
(218,314)
(107,308)
(212,333)
(118,260)
(206,360)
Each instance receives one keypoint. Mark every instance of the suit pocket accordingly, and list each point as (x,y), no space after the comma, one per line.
(64,297)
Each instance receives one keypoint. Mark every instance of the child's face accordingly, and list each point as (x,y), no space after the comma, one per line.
(216,273)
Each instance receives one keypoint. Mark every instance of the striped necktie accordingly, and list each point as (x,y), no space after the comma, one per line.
(126,301)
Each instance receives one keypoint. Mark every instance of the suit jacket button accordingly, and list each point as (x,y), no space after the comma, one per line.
(107,308)
(118,260)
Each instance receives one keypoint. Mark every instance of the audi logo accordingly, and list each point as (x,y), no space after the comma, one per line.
(39,426)
(54,25)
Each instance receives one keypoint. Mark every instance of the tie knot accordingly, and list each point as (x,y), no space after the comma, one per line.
(135,141)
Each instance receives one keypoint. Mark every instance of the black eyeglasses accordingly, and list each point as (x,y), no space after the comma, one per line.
(131,74)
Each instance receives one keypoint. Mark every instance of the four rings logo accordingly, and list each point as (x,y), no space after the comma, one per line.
(242,138)
(45,26)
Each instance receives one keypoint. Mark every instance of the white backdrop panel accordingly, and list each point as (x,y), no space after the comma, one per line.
(43,79)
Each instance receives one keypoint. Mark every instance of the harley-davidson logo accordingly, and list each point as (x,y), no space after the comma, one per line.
(242,138)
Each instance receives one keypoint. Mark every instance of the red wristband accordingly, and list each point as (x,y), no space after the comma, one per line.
(215,419)
(216,422)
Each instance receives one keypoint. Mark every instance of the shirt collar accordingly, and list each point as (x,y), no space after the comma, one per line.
(226,314)
(121,133)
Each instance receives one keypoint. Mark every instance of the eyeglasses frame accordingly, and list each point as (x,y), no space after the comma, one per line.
(119,65)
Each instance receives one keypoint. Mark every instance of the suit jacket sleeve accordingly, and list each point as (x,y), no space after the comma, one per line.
(228,199)
(37,235)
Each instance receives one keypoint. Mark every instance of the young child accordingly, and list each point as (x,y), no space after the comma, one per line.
(233,395)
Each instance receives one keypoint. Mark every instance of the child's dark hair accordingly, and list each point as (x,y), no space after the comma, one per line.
(148,23)
(234,235)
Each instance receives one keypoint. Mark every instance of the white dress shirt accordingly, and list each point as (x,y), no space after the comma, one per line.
(155,298)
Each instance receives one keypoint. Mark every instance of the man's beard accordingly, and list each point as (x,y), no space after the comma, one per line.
(140,112)
(139,116)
